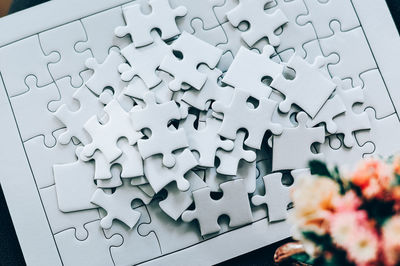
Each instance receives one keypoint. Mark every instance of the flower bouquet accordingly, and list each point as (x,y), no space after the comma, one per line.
(349,218)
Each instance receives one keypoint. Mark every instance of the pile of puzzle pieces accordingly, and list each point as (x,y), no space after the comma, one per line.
(189,110)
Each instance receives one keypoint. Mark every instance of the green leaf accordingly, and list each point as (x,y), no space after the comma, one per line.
(319,168)
(303,257)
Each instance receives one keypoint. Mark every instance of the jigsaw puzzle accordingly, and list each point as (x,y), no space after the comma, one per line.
(156,132)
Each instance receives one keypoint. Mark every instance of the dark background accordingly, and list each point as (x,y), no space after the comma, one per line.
(10,252)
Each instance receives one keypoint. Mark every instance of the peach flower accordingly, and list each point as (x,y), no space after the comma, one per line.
(363,247)
(391,240)
(374,178)
(313,200)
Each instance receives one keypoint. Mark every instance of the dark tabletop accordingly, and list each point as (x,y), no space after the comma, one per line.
(10,252)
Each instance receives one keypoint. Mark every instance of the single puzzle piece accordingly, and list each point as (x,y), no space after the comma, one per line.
(211,91)
(130,161)
(331,109)
(139,25)
(101,165)
(293,35)
(66,91)
(234,203)
(105,136)
(309,89)
(172,235)
(42,158)
(246,171)
(159,175)
(145,247)
(163,140)
(185,70)
(93,251)
(248,70)
(106,74)
(14,74)
(202,10)
(213,36)
(99,29)
(353,52)
(60,221)
(35,119)
(321,13)
(229,160)
(144,61)
(383,133)
(178,201)
(350,122)
(238,114)
(300,137)
(262,24)
(118,204)
(277,197)
(62,40)
(376,95)
(74,179)
(75,119)
(205,140)
(114,181)
(343,156)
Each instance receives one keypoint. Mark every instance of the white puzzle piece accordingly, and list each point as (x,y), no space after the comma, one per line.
(74,179)
(144,247)
(249,68)
(139,25)
(261,23)
(99,30)
(159,175)
(208,210)
(36,119)
(172,235)
(60,221)
(43,158)
(105,136)
(383,134)
(309,89)
(229,160)
(118,204)
(205,141)
(163,139)
(185,70)
(94,250)
(178,201)
(62,41)
(15,74)
(239,115)
(276,197)
(320,15)
(301,137)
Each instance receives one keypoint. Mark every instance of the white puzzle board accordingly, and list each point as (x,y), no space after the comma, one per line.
(364,41)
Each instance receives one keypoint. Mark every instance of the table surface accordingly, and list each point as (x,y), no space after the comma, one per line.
(10,252)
